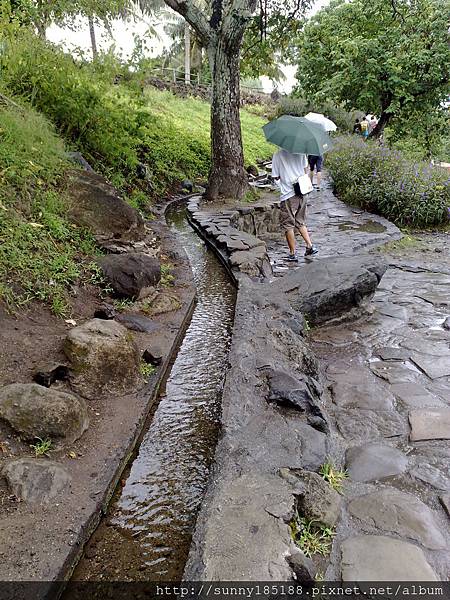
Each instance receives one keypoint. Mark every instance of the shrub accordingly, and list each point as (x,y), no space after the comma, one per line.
(383,181)
(298,107)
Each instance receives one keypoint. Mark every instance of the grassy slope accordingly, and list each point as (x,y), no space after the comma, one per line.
(40,252)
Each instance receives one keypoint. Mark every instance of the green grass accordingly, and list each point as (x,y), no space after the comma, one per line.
(41,447)
(334,476)
(41,253)
(312,537)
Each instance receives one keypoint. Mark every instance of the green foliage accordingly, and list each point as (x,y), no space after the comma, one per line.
(385,182)
(299,107)
(41,447)
(167,276)
(311,536)
(118,126)
(40,251)
(146,370)
(335,477)
(385,59)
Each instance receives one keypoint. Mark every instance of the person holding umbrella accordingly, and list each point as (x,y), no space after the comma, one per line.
(315,161)
(297,137)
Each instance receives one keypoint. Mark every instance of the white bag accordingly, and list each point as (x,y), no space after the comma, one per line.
(305,184)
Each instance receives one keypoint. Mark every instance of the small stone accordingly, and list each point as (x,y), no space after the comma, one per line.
(51,373)
(380,558)
(302,566)
(187,186)
(373,462)
(316,499)
(152,356)
(106,311)
(402,514)
(393,373)
(136,322)
(36,481)
(446,324)
(430,424)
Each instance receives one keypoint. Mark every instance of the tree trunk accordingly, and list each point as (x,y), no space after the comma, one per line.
(227,178)
(187,53)
(93,40)
(383,121)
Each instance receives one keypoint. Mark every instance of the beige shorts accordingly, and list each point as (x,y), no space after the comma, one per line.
(293,213)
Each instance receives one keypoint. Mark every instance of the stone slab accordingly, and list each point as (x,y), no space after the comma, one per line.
(391,353)
(431,475)
(430,424)
(37,481)
(370,395)
(445,501)
(373,462)
(434,367)
(369,424)
(393,373)
(390,510)
(414,396)
(380,558)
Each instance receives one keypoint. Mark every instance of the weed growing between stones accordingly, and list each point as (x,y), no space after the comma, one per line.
(335,477)
(42,447)
(167,277)
(311,536)
(123,304)
(146,370)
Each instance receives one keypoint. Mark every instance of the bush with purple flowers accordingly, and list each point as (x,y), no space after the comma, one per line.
(384,181)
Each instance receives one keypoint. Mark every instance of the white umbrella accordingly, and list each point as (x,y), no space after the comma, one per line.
(327,124)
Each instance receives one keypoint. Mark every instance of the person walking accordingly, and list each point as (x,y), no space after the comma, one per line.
(365,128)
(315,162)
(286,169)
(357,127)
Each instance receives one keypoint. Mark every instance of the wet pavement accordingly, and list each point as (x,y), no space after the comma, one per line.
(388,377)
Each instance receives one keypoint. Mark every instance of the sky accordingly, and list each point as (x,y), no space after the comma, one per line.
(123,39)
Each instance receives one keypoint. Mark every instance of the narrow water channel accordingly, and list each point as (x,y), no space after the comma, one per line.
(147,533)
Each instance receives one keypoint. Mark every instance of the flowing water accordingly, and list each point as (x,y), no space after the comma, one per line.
(148,530)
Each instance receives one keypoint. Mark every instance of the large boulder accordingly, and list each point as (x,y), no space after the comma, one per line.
(332,288)
(104,358)
(36,411)
(132,275)
(36,481)
(97,205)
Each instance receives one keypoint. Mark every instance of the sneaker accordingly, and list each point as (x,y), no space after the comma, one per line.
(292,258)
(311,251)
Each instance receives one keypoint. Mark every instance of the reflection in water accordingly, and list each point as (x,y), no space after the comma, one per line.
(158,505)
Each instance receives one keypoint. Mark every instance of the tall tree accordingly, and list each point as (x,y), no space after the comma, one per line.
(221,28)
(387,59)
(93,39)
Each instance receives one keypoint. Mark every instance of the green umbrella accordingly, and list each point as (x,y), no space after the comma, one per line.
(298,135)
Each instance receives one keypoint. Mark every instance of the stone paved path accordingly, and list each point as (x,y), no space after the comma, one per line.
(389,399)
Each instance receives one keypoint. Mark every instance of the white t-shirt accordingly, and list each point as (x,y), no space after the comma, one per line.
(288,167)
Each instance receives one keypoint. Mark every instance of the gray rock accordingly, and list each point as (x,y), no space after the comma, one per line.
(36,411)
(446,324)
(392,310)
(48,374)
(431,475)
(332,288)
(137,323)
(402,514)
(302,566)
(434,367)
(36,481)
(366,395)
(369,424)
(131,275)
(445,501)
(414,396)
(380,558)
(97,205)
(430,424)
(316,499)
(374,462)
(104,358)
